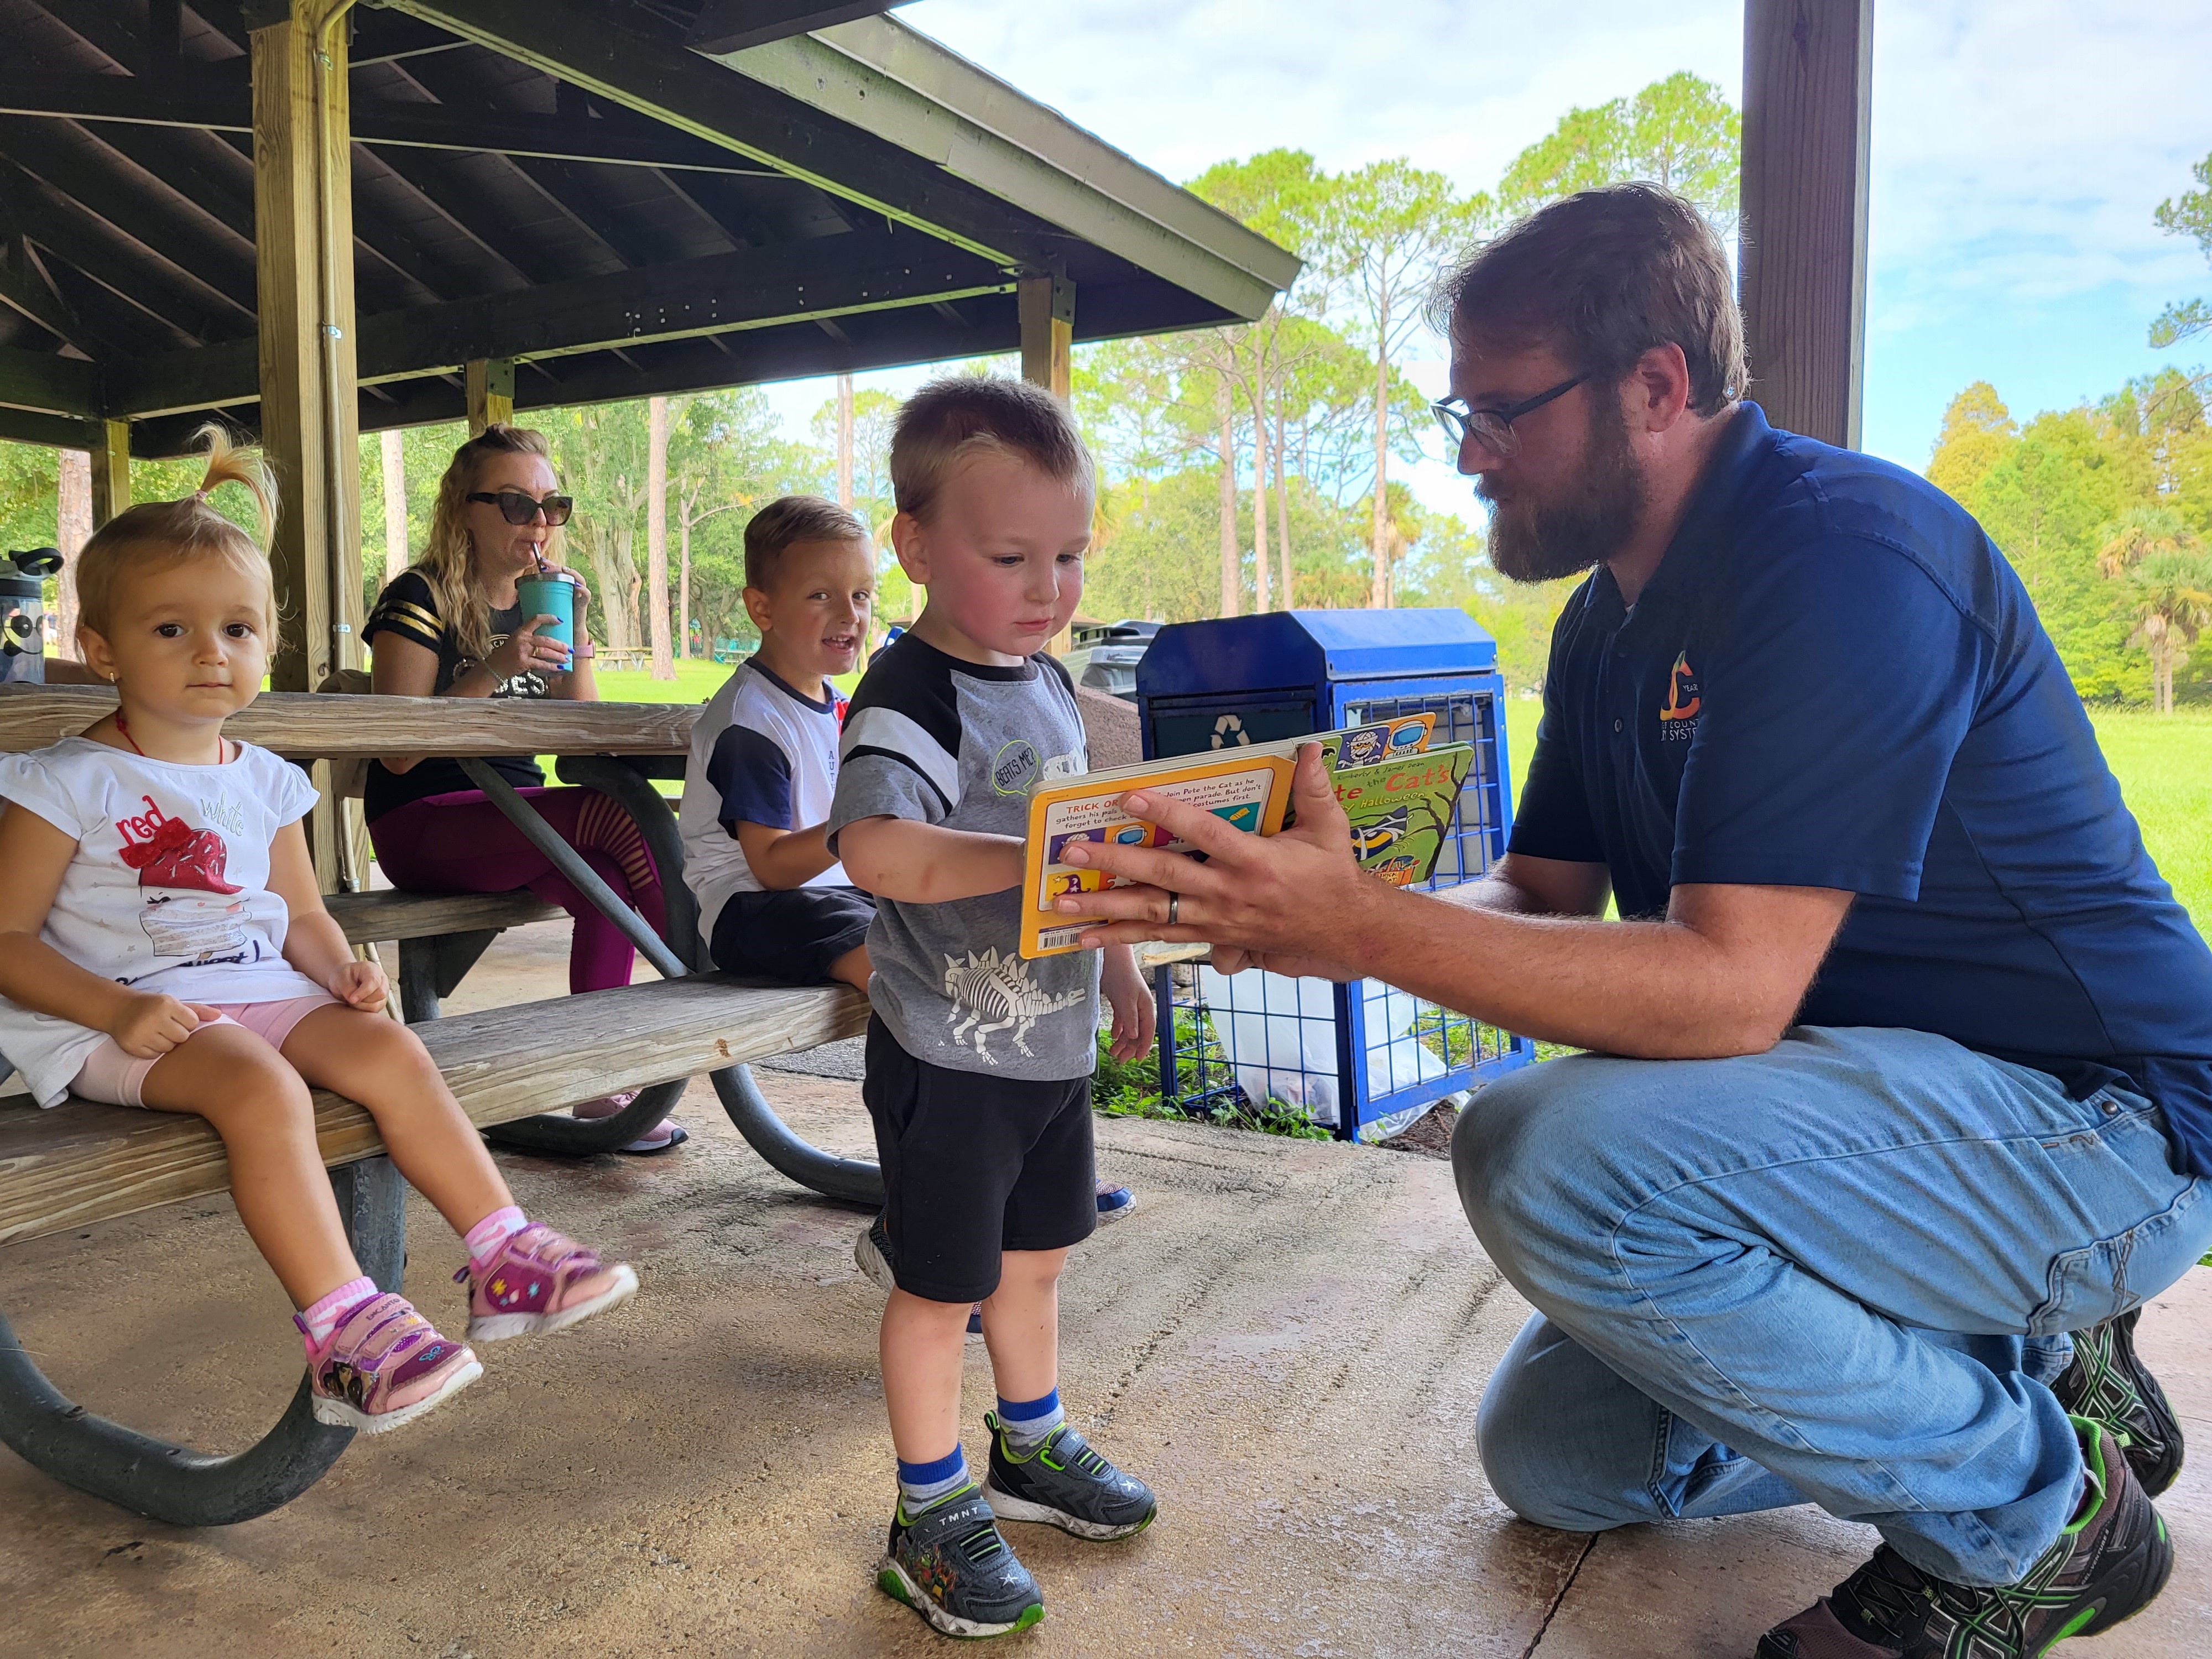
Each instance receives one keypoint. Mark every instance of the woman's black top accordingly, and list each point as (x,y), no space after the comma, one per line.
(408,608)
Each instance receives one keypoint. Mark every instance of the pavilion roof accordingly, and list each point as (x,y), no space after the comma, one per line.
(624,196)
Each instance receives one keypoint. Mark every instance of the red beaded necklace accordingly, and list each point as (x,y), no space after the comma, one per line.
(123,731)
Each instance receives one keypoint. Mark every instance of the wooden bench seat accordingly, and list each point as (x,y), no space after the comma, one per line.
(83,1161)
(376,916)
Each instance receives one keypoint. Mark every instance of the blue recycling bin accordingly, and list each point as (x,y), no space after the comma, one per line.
(1364,1060)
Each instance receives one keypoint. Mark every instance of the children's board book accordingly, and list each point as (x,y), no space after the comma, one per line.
(1398,791)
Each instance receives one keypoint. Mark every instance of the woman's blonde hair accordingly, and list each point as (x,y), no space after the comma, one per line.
(174,531)
(449,564)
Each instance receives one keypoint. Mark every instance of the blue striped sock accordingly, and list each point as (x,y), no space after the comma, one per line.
(1028,1422)
(921,1485)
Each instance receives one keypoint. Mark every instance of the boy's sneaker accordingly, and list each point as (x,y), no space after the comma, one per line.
(541,1281)
(1064,1482)
(1114,1202)
(2104,1567)
(2107,1382)
(385,1365)
(950,1565)
(872,1254)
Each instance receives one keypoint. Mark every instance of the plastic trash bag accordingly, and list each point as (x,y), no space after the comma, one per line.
(1279,1036)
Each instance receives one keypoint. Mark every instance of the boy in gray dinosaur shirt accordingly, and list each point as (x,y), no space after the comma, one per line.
(979,1061)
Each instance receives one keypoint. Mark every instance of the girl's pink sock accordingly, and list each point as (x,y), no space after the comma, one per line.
(484,1238)
(317,1322)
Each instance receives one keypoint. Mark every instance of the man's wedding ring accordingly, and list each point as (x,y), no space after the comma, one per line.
(1174,903)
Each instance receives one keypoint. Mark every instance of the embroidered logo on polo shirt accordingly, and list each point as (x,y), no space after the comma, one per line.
(1678,717)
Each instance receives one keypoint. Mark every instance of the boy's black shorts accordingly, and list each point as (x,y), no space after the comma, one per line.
(973,1165)
(792,935)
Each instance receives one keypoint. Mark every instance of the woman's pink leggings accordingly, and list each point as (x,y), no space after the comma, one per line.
(462,843)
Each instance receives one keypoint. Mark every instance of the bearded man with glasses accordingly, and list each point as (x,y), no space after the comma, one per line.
(1898,1100)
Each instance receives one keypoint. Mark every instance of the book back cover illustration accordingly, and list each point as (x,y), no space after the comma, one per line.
(1402,811)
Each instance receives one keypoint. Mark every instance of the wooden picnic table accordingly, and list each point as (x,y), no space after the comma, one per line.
(83,1160)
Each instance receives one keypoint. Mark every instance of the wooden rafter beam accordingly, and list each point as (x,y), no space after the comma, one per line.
(172,310)
(204,260)
(47,383)
(24,289)
(630,57)
(126,100)
(735,24)
(23,426)
(721,293)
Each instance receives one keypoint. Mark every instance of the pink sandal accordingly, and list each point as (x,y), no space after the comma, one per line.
(664,1136)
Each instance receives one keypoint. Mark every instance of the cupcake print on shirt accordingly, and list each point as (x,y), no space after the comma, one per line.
(190,911)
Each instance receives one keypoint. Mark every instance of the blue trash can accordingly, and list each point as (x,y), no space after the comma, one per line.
(1362,1060)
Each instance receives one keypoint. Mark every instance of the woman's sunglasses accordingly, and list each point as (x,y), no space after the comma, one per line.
(518,508)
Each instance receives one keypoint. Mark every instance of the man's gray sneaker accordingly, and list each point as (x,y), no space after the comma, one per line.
(950,1564)
(2108,1564)
(2105,1380)
(1063,1482)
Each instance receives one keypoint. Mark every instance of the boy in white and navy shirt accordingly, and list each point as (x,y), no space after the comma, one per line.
(774,901)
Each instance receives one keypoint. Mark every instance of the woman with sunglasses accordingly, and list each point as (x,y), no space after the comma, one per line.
(450,626)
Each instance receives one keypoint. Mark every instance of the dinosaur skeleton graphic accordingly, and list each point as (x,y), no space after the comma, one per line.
(991,992)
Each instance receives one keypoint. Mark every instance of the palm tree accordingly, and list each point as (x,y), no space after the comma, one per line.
(2172,605)
(2170,588)
(2141,532)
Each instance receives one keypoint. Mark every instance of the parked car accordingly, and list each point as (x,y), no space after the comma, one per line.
(1104,655)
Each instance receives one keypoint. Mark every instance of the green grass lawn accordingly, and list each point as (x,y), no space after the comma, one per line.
(695,682)
(2163,761)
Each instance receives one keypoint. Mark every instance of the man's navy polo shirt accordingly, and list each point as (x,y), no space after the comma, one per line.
(1834,680)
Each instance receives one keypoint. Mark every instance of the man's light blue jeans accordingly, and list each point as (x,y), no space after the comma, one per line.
(1839,1272)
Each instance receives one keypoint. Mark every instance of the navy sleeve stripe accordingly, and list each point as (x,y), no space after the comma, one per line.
(915,682)
(752,774)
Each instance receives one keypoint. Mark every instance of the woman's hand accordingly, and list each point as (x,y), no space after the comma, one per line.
(1265,902)
(149,1025)
(524,652)
(360,985)
(1131,1000)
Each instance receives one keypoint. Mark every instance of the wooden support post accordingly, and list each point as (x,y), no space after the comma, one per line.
(1045,303)
(111,471)
(492,393)
(1807,101)
(303,249)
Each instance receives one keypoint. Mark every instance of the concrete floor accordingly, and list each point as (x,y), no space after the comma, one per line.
(1287,1338)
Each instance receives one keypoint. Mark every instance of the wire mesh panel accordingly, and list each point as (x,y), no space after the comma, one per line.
(1362,1060)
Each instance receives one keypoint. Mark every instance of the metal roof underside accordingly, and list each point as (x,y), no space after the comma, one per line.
(568,182)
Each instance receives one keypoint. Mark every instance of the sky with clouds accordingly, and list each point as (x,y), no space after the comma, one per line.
(2019,150)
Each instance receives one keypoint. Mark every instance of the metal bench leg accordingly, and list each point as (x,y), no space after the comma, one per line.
(553,1132)
(850,1179)
(188,1488)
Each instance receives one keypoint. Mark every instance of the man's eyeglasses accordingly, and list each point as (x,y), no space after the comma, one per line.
(1493,427)
(518,508)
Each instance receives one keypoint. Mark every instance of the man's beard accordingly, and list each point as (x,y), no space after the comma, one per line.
(1533,540)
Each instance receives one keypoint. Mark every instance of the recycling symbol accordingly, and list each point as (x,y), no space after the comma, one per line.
(1229,732)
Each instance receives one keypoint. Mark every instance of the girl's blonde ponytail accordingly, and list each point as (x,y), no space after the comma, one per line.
(190,528)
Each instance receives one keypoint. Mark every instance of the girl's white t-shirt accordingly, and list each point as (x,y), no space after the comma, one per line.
(168,892)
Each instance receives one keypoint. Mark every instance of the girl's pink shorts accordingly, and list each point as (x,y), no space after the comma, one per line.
(111,1075)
